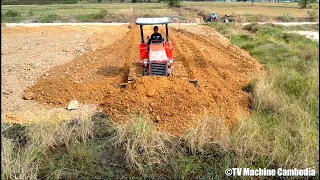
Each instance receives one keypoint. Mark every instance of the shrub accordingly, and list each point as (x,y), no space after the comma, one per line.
(11,16)
(313,14)
(12,13)
(286,17)
(49,18)
(174,3)
(203,15)
(101,14)
(304,3)
(93,17)
(30,13)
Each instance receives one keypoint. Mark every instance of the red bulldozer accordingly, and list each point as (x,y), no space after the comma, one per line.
(156,58)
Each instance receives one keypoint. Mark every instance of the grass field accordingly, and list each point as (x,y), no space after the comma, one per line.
(124,12)
(282,130)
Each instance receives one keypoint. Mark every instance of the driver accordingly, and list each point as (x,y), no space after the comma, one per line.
(155,36)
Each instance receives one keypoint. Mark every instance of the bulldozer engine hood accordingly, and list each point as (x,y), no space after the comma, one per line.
(159,55)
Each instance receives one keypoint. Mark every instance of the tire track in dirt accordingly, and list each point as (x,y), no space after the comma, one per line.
(192,57)
(218,70)
(235,53)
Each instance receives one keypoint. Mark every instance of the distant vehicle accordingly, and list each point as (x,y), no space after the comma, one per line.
(210,19)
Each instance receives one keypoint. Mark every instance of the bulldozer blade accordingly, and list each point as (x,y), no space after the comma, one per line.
(135,72)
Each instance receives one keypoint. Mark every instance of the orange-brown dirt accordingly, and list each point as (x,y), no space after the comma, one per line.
(27,53)
(222,70)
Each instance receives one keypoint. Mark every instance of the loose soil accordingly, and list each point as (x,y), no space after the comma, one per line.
(221,68)
(27,53)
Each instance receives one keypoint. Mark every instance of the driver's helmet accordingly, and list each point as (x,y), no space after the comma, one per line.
(212,12)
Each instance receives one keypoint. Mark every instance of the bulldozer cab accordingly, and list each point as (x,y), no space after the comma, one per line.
(153,21)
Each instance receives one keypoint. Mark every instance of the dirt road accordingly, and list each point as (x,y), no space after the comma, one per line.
(94,77)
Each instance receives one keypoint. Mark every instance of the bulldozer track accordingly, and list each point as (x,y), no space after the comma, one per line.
(135,72)
(179,71)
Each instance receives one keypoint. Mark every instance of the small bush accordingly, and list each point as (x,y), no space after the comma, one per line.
(174,3)
(49,18)
(286,17)
(93,17)
(30,13)
(292,37)
(253,27)
(313,14)
(13,13)
(203,15)
(303,3)
(11,16)
(101,14)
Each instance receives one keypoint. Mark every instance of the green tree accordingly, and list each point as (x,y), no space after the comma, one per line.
(174,3)
(134,1)
(304,3)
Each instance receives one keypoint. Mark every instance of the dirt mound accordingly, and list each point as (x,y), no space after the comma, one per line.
(221,69)
(172,103)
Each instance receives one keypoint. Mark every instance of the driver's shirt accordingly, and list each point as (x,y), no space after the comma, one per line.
(155,36)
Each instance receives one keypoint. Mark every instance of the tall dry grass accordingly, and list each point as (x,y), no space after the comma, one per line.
(22,162)
(280,133)
(144,145)
(126,12)
(208,135)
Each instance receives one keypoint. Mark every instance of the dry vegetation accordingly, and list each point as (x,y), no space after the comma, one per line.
(25,147)
(281,131)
